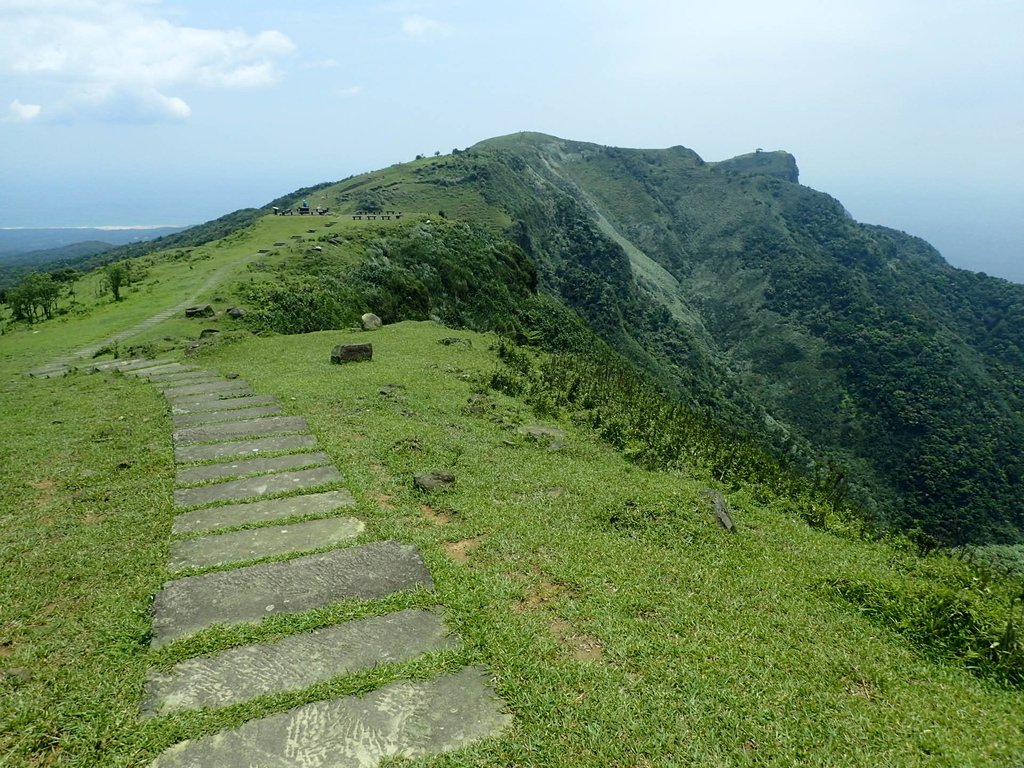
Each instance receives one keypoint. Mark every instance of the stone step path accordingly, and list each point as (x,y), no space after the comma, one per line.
(250,486)
(411,719)
(296,661)
(250,594)
(209,417)
(253,544)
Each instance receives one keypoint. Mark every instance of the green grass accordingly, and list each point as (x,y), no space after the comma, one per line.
(622,625)
(169,278)
(715,649)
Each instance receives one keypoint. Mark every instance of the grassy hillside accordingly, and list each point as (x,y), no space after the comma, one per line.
(760,301)
(623,624)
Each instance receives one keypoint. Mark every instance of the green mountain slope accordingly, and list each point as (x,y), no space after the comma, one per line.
(761,302)
(847,350)
(584,567)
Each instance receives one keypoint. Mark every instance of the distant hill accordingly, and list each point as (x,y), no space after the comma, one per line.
(19,246)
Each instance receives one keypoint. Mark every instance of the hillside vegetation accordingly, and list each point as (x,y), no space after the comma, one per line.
(623,624)
(760,302)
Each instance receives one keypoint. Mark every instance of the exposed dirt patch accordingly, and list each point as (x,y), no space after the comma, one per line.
(435,516)
(460,551)
(581,646)
(862,687)
(539,596)
(408,444)
(384,502)
(6,649)
(46,488)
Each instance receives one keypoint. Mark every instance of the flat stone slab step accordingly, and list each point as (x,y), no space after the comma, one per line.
(240,546)
(229,430)
(408,719)
(296,662)
(111,365)
(208,385)
(156,366)
(50,372)
(207,472)
(266,511)
(261,485)
(213,386)
(212,417)
(206,397)
(216,451)
(218,405)
(249,594)
(196,379)
(176,374)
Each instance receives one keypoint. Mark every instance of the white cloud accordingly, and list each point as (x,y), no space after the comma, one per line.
(422,27)
(23,113)
(121,59)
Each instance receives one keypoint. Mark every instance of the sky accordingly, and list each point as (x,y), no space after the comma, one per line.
(120,112)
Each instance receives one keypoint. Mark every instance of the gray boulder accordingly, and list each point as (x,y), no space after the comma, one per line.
(371,322)
(200,310)
(351,353)
(236,312)
(432,481)
(720,509)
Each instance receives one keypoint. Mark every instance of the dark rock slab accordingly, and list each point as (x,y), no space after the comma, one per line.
(272,425)
(201,310)
(541,433)
(223,404)
(236,312)
(249,594)
(433,481)
(351,353)
(212,417)
(407,719)
(257,543)
(206,472)
(265,511)
(261,485)
(295,662)
(218,451)
(720,509)
(218,384)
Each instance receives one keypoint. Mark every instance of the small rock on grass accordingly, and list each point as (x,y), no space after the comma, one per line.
(350,353)
(720,509)
(371,322)
(433,481)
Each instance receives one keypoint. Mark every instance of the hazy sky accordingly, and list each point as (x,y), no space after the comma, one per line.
(910,112)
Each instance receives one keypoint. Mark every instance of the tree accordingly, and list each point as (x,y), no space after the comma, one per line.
(34,298)
(117,275)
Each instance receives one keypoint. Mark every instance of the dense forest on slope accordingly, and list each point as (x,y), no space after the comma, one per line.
(761,301)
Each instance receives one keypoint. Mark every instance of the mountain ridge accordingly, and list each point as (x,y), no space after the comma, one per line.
(749,297)
(782,279)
